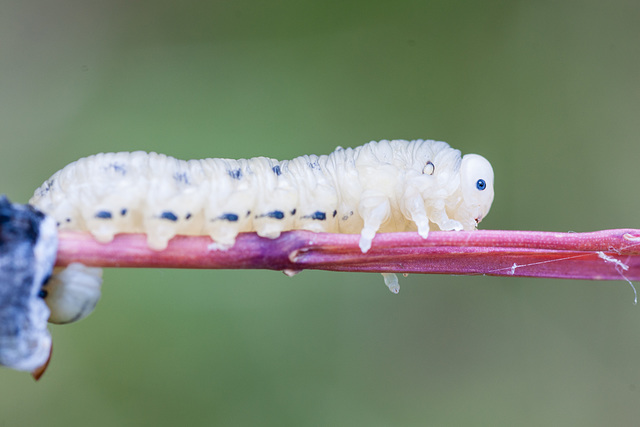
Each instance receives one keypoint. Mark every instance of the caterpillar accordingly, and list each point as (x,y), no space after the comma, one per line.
(381,186)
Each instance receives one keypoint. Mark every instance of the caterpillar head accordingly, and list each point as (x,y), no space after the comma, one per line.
(476,184)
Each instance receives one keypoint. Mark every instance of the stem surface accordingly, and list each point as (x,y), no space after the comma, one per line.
(599,255)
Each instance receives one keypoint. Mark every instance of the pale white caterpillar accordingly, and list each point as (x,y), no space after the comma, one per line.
(378,187)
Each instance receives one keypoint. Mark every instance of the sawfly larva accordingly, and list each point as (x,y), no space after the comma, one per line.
(381,186)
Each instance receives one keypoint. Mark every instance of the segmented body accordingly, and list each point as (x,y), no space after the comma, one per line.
(378,187)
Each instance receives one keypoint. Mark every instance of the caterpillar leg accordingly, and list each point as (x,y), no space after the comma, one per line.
(451,225)
(276,214)
(318,211)
(439,216)
(414,210)
(374,210)
(165,222)
(227,216)
(109,217)
(391,280)
(173,208)
(158,234)
(277,198)
(68,217)
(223,232)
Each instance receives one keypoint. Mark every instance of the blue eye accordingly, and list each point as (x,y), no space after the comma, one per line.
(481,185)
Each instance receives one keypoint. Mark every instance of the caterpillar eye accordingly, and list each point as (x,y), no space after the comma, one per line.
(481,185)
(429,168)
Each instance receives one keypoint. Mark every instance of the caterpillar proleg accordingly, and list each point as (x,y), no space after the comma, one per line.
(381,186)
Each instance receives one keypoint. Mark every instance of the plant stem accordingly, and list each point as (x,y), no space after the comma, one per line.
(600,255)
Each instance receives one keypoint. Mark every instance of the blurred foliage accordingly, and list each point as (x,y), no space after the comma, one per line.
(548,91)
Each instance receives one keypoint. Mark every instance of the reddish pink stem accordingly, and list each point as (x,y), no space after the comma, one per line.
(600,255)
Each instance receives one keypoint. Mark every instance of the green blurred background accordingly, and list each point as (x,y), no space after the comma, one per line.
(548,91)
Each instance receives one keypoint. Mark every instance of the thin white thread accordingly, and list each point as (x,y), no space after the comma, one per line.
(617,262)
(513,268)
(630,238)
(619,265)
(635,293)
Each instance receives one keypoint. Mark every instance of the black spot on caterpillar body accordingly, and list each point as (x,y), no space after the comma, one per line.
(117,167)
(181,177)
(168,215)
(235,174)
(318,216)
(229,217)
(275,214)
(378,187)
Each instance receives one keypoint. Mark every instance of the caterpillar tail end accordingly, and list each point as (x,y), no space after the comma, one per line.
(72,292)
